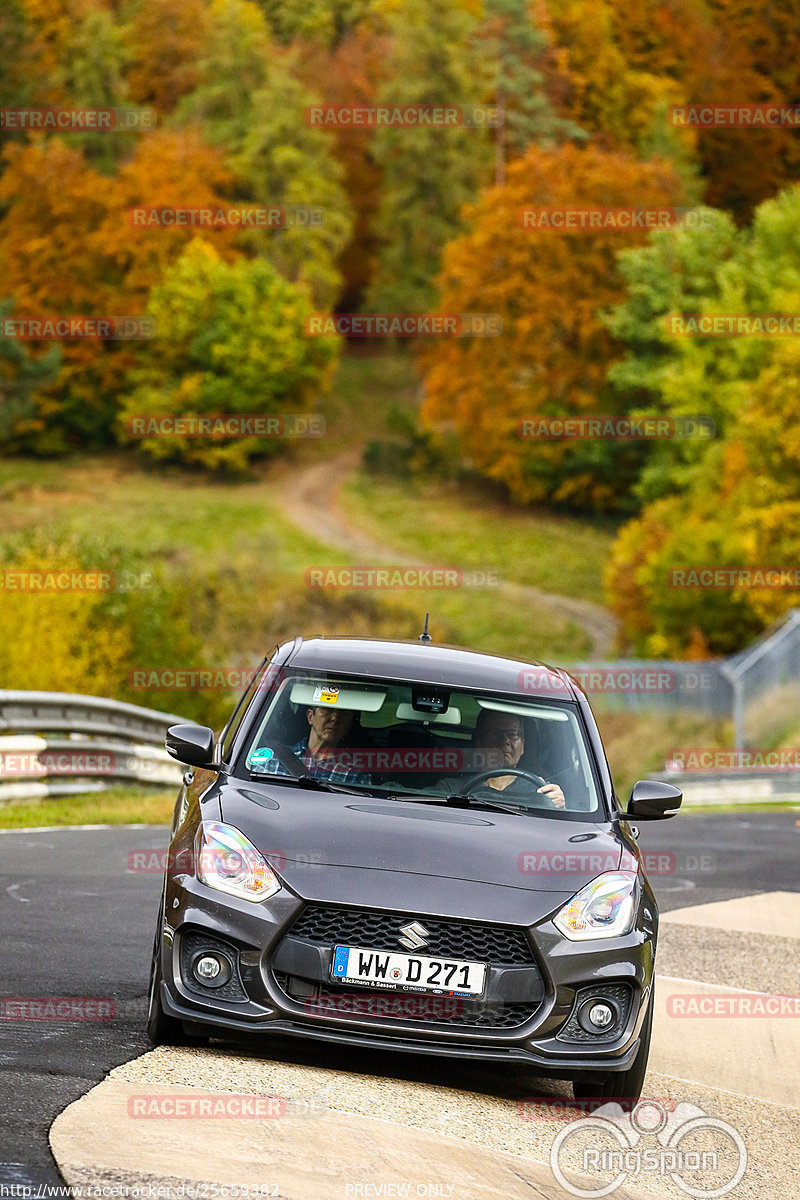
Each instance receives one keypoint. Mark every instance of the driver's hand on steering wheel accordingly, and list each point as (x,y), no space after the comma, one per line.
(554,793)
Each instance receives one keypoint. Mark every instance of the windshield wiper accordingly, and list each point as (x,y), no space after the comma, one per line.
(468,802)
(456,801)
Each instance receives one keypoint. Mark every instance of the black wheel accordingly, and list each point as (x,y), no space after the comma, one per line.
(621,1085)
(162,1029)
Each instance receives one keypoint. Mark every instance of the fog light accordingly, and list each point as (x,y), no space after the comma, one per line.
(600,1015)
(207,967)
(210,969)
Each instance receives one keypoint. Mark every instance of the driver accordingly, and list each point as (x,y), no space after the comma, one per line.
(328,727)
(505,732)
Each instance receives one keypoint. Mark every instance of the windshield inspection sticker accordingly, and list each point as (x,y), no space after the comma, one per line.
(325,695)
(262,755)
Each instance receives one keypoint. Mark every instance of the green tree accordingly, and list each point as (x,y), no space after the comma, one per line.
(249,104)
(514,47)
(429,172)
(734,500)
(329,21)
(230,338)
(14,84)
(21,376)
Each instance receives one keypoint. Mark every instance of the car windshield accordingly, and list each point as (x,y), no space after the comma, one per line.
(416,740)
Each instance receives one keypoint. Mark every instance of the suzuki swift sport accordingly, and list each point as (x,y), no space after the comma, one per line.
(411,847)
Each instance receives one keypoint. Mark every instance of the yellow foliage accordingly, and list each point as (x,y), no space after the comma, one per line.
(65,641)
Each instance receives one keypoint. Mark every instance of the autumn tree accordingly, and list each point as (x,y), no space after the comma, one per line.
(733,500)
(349,74)
(620,69)
(250,105)
(69,247)
(230,339)
(429,171)
(548,287)
(327,21)
(165,39)
(515,47)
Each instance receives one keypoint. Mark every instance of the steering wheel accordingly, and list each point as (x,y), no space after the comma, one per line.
(482,776)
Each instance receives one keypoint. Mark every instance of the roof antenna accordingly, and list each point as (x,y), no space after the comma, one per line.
(425,636)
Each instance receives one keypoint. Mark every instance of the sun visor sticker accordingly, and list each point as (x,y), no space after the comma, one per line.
(330,694)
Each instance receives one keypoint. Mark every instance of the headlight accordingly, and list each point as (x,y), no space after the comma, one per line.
(228,862)
(604,908)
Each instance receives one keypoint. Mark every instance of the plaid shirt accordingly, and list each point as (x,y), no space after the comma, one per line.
(326,767)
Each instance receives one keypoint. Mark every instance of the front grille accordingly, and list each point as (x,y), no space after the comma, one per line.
(333,1001)
(446,939)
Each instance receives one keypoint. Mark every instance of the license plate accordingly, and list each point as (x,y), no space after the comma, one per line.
(407,972)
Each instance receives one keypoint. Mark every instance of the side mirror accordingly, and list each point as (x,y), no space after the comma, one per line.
(651,800)
(193,744)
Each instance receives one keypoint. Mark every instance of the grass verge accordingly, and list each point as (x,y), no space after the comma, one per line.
(117,806)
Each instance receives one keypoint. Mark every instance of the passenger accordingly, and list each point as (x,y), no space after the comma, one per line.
(505,732)
(329,727)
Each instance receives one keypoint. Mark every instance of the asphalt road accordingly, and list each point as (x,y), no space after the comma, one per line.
(77,923)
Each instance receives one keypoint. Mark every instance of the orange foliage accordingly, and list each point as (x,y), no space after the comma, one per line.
(548,287)
(69,246)
(350,74)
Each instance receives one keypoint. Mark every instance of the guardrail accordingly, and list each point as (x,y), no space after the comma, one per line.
(57,744)
(735,787)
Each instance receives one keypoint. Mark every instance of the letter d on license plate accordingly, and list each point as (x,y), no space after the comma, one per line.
(407,972)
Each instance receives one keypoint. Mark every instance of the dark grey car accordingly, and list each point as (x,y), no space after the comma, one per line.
(413,880)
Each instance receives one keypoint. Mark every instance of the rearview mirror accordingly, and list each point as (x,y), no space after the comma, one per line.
(193,744)
(651,800)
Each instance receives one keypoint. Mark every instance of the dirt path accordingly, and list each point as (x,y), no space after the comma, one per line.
(310,498)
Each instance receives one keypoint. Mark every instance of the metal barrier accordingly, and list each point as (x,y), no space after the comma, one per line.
(759,687)
(56,744)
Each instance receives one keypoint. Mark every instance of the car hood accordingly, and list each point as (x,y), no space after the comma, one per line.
(314,839)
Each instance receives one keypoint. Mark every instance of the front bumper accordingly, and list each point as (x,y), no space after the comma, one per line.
(259,1005)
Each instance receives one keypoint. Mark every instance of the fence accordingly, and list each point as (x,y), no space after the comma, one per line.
(55,744)
(759,688)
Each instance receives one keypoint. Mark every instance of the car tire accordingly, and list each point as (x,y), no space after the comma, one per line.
(621,1085)
(162,1029)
